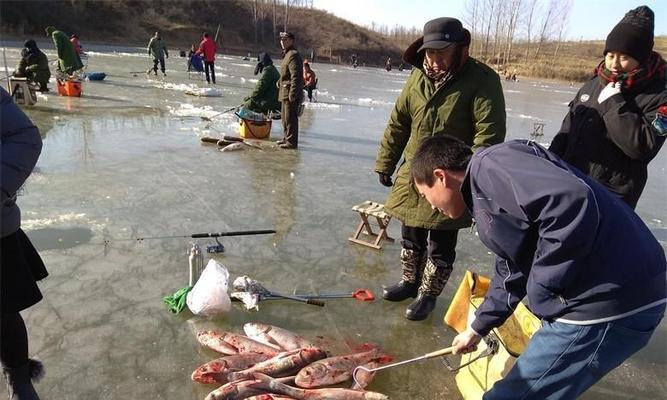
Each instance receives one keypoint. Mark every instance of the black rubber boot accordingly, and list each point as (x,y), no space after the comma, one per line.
(420,308)
(412,264)
(19,380)
(433,282)
(400,291)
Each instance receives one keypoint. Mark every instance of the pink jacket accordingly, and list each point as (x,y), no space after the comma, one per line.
(208,48)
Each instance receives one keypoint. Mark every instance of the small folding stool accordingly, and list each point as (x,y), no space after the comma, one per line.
(371,209)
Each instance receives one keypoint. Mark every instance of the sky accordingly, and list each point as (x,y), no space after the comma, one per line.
(589,19)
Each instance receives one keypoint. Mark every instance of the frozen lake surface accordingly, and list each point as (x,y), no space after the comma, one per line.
(125,161)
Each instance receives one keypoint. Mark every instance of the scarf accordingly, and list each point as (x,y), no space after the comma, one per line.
(439,78)
(654,67)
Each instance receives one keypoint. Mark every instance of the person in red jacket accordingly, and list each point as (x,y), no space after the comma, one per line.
(207,48)
(74,39)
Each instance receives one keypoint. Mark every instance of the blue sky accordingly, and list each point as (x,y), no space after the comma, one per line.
(589,19)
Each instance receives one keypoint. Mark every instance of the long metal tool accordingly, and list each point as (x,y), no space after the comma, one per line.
(359,294)
(438,353)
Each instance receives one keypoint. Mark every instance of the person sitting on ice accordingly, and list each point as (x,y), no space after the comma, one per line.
(264,98)
(34,66)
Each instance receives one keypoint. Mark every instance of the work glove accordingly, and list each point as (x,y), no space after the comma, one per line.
(385,179)
(612,89)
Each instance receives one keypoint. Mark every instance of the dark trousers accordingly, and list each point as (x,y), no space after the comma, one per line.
(440,245)
(289,114)
(155,63)
(309,90)
(209,65)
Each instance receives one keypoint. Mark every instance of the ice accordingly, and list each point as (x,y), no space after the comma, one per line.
(125,161)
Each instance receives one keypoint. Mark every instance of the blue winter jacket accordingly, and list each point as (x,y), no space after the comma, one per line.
(19,150)
(579,253)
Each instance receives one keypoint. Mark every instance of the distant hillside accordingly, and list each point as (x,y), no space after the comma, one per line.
(131,22)
(249,26)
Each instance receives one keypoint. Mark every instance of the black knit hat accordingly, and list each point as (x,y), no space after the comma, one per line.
(633,35)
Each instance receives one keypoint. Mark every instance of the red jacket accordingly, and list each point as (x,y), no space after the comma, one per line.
(208,48)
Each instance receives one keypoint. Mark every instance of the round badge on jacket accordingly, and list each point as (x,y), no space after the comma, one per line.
(584,98)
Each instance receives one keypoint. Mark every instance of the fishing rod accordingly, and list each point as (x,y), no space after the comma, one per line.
(220,113)
(200,235)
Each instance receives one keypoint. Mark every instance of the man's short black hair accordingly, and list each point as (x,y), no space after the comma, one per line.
(206,34)
(439,152)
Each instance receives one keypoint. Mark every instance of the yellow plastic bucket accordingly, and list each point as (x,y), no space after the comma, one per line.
(249,129)
(478,377)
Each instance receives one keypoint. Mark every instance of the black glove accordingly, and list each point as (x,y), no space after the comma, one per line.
(385,179)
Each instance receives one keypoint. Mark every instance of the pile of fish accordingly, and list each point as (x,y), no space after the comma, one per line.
(268,361)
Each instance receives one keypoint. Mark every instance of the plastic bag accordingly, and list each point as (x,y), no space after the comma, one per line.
(209,295)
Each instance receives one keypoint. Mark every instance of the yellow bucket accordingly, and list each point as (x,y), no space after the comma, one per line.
(475,379)
(249,129)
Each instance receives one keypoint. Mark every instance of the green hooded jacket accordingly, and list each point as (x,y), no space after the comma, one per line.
(157,48)
(265,96)
(470,107)
(68,60)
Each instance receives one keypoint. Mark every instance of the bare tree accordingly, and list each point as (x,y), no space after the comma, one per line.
(471,19)
(514,8)
(491,4)
(563,17)
(546,26)
(529,25)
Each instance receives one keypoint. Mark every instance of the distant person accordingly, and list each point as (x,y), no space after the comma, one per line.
(291,91)
(618,121)
(74,39)
(192,52)
(21,266)
(158,50)
(309,80)
(247,58)
(447,92)
(264,98)
(68,60)
(207,48)
(387,64)
(590,269)
(400,66)
(34,66)
(353,59)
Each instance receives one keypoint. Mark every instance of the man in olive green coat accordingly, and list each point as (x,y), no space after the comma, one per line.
(291,91)
(447,93)
(34,65)
(158,50)
(265,96)
(68,60)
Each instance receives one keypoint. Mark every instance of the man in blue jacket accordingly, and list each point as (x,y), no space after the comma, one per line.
(589,267)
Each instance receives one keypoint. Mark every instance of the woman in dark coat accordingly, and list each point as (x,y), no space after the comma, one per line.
(20,267)
(618,121)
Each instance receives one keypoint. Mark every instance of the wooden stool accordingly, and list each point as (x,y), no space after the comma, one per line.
(371,209)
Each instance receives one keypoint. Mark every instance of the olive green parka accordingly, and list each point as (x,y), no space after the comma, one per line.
(470,106)
(68,60)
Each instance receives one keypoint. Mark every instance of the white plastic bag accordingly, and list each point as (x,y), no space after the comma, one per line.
(209,295)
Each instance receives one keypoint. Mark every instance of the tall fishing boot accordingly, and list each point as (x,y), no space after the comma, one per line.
(433,282)
(412,263)
(19,380)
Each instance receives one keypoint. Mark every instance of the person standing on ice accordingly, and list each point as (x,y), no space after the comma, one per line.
(447,92)
(291,91)
(20,265)
(158,50)
(617,123)
(207,48)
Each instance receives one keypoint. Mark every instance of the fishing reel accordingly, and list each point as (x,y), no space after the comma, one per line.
(216,247)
